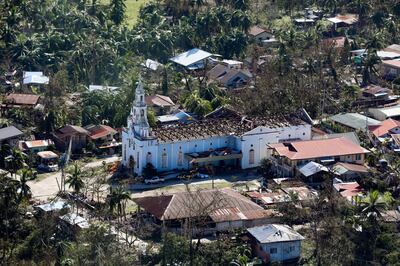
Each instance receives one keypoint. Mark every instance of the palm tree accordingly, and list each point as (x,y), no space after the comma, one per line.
(369,69)
(16,160)
(75,180)
(22,186)
(375,203)
(118,198)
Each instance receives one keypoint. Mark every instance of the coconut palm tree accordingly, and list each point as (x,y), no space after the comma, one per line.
(117,198)
(375,203)
(16,160)
(369,67)
(22,186)
(75,179)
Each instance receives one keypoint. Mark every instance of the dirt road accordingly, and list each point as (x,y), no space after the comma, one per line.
(48,187)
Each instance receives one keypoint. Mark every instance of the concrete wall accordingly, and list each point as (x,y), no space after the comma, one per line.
(256,140)
(284,250)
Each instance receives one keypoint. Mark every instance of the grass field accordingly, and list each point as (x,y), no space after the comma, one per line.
(132,9)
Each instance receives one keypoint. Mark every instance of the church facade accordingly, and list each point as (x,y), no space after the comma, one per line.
(215,141)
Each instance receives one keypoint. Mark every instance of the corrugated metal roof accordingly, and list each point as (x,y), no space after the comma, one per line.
(219,205)
(9,132)
(22,99)
(190,57)
(354,120)
(159,100)
(273,233)
(312,168)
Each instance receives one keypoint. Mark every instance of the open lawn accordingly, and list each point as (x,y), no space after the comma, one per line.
(132,10)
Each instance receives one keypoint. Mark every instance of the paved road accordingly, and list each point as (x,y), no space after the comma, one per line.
(47,187)
(242,176)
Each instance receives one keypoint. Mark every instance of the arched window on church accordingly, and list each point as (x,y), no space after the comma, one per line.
(142,113)
(141,98)
(251,156)
(180,158)
(149,158)
(164,160)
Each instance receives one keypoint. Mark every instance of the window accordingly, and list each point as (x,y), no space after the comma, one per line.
(141,98)
(180,158)
(358,157)
(251,156)
(304,133)
(273,250)
(149,157)
(164,160)
(142,113)
(292,248)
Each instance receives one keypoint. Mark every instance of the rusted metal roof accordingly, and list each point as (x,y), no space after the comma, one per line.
(100,131)
(159,101)
(22,99)
(219,205)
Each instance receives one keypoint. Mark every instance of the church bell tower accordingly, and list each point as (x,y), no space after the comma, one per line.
(137,120)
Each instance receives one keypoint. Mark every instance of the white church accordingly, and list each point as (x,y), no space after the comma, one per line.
(223,139)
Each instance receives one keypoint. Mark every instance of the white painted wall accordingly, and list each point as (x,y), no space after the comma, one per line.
(256,139)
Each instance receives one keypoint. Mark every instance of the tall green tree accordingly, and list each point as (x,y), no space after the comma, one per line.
(22,186)
(118,8)
(74,179)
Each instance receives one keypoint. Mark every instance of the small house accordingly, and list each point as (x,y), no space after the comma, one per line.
(384,113)
(348,171)
(313,171)
(374,96)
(103,137)
(220,210)
(10,135)
(193,59)
(390,69)
(35,146)
(76,134)
(21,100)
(73,223)
(48,161)
(275,243)
(348,190)
(52,207)
(34,78)
(229,77)
(343,21)
(287,157)
(259,34)
(161,104)
(353,121)
(385,129)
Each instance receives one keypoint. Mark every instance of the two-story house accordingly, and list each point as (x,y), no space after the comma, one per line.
(287,157)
